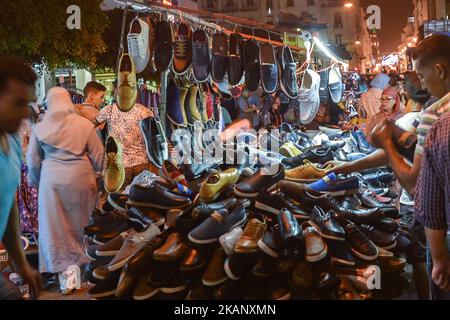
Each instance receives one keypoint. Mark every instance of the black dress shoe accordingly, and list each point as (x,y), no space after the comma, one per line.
(379,178)
(155,140)
(263,179)
(275,202)
(290,230)
(340,253)
(106,287)
(142,261)
(238,266)
(156,195)
(118,201)
(111,231)
(205,209)
(161,273)
(194,259)
(195,171)
(146,216)
(321,155)
(360,245)
(325,223)
(325,275)
(103,221)
(270,242)
(387,225)
(384,240)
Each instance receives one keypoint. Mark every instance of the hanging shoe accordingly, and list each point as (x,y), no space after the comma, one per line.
(219,63)
(309,96)
(127,84)
(252,74)
(163,45)
(182,59)
(138,45)
(201,56)
(268,68)
(236,60)
(114,175)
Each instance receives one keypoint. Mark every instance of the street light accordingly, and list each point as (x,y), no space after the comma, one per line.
(348,5)
(357,42)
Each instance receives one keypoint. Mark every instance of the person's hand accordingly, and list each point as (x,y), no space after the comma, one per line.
(336,166)
(441,273)
(32,278)
(381,134)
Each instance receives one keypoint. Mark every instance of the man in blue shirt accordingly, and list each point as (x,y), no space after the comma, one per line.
(17,90)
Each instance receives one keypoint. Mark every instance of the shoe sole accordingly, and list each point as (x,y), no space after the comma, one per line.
(228,271)
(363,256)
(266,249)
(287,296)
(102,294)
(344,262)
(245,195)
(206,241)
(89,256)
(173,290)
(391,246)
(148,296)
(326,236)
(152,205)
(98,242)
(106,253)
(96,276)
(114,205)
(213,283)
(318,257)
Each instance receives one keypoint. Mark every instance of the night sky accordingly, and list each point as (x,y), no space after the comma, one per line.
(394,15)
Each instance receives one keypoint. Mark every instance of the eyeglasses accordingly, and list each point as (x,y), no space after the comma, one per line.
(386,99)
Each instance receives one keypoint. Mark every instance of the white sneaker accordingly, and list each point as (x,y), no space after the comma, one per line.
(229,240)
(138,44)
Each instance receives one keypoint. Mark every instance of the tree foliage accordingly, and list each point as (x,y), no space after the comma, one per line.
(36,31)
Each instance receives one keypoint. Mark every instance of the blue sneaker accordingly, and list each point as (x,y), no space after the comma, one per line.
(329,184)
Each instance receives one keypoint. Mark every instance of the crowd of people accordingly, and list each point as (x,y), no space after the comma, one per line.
(53,164)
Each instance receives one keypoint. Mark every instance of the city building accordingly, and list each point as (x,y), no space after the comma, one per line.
(345,19)
(428,16)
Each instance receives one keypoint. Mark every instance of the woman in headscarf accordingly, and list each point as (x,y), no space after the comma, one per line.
(370,100)
(63,155)
(391,108)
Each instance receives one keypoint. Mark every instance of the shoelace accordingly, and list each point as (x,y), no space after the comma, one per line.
(137,211)
(136,45)
(181,47)
(254,230)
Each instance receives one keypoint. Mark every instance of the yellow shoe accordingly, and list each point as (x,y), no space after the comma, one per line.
(114,175)
(290,150)
(126,84)
(218,182)
(309,172)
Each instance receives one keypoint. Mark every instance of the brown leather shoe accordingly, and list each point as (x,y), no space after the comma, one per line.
(253,231)
(172,250)
(316,248)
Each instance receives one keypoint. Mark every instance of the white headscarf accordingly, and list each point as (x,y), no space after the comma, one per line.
(61,127)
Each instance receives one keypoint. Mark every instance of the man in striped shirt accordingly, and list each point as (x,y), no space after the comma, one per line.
(432,199)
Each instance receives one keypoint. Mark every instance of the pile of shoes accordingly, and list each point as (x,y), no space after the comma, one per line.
(280,232)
